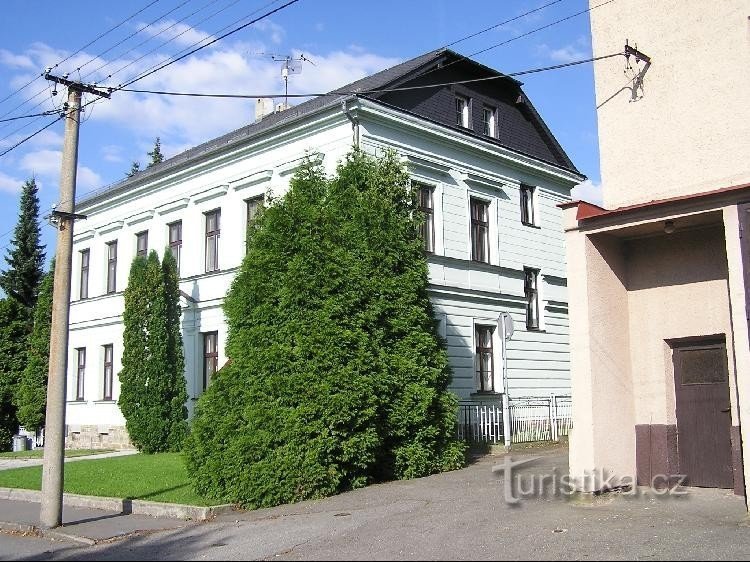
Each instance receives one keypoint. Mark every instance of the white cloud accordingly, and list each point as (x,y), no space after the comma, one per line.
(47,163)
(10,184)
(19,61)
(588,191)
(112,153)
(274,30)
(566,53)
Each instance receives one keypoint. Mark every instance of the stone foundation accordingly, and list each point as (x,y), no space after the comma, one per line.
(97,437)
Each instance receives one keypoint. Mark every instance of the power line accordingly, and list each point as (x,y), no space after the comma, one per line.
(136,32)
(502,23)
(507,41)
(197,44)
(162,66)
(108,31)
(376,91)
(43,114)
(32,135)
(556,22)
(160,45)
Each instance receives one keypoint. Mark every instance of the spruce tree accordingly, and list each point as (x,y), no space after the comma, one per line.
(31,395)
(134,169)
(156,156)
(337,375)
(152,385)
(26,258)
(13,336)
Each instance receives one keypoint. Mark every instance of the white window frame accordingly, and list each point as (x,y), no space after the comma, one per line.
(497,355)
(494,246)
(539,297)
(534,204)
(492,122)
(437,210)
(465,111)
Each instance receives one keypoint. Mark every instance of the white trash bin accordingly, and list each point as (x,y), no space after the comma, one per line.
(20,443)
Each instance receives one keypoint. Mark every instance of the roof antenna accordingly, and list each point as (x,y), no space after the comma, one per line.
(290,65)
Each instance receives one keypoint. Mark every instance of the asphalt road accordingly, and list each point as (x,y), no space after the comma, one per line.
(458,515)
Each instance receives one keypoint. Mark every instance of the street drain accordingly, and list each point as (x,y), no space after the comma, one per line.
(341,514)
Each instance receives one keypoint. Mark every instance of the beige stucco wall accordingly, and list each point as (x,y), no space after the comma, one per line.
(741,340)
(677,288)
(690,131)
(602,388)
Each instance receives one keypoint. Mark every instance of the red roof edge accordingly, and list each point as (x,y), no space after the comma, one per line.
(590,211)
(585,209)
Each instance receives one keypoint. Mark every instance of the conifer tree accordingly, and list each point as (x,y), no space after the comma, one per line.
(134,169)
(25,260)
(152,384)
(337,377)
(176,390)
(156,156)
(31,395)
(13,337)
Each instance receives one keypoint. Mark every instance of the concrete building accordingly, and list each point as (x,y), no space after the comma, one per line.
(490,175)
(660,357)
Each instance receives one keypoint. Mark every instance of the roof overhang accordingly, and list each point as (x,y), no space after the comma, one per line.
(593,217)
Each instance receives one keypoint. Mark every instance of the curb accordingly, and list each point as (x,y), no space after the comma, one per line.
(124,506)
(45,533)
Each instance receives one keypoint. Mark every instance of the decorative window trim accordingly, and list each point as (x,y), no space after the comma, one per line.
(139,218)
(253,179)
(110,227)
(210,193)
(172,206)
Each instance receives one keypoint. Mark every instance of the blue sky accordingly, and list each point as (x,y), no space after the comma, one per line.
(345,40)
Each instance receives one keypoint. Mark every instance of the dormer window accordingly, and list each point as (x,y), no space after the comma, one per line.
(462,112)
(488,121)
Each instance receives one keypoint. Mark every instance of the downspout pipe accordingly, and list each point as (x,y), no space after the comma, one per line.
(354,121)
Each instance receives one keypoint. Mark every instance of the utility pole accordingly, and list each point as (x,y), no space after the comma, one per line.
(54,431)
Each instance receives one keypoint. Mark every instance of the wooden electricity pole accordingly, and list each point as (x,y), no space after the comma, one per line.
(54,431)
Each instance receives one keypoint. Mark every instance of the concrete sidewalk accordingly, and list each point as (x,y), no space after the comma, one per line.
(80,525)
(7,464)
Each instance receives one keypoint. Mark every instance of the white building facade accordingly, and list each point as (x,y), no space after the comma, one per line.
(494,239)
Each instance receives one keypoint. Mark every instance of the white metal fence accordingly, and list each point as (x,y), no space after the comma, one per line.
(480,423)
(531,419)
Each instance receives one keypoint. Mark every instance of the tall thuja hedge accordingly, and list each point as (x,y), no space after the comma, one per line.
(13,339)
(337,377)
(31,395)
(152,384)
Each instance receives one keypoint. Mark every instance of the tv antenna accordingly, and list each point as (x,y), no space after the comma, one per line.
(290,65)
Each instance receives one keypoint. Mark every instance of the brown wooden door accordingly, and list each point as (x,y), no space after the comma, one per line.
(703,414)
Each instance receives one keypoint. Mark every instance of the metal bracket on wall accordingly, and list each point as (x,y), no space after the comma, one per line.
(638,80)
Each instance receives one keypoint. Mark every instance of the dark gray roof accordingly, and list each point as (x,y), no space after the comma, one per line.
(389,77)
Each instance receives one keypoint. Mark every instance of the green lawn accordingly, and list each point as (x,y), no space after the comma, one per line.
(39,453)
(161,477)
